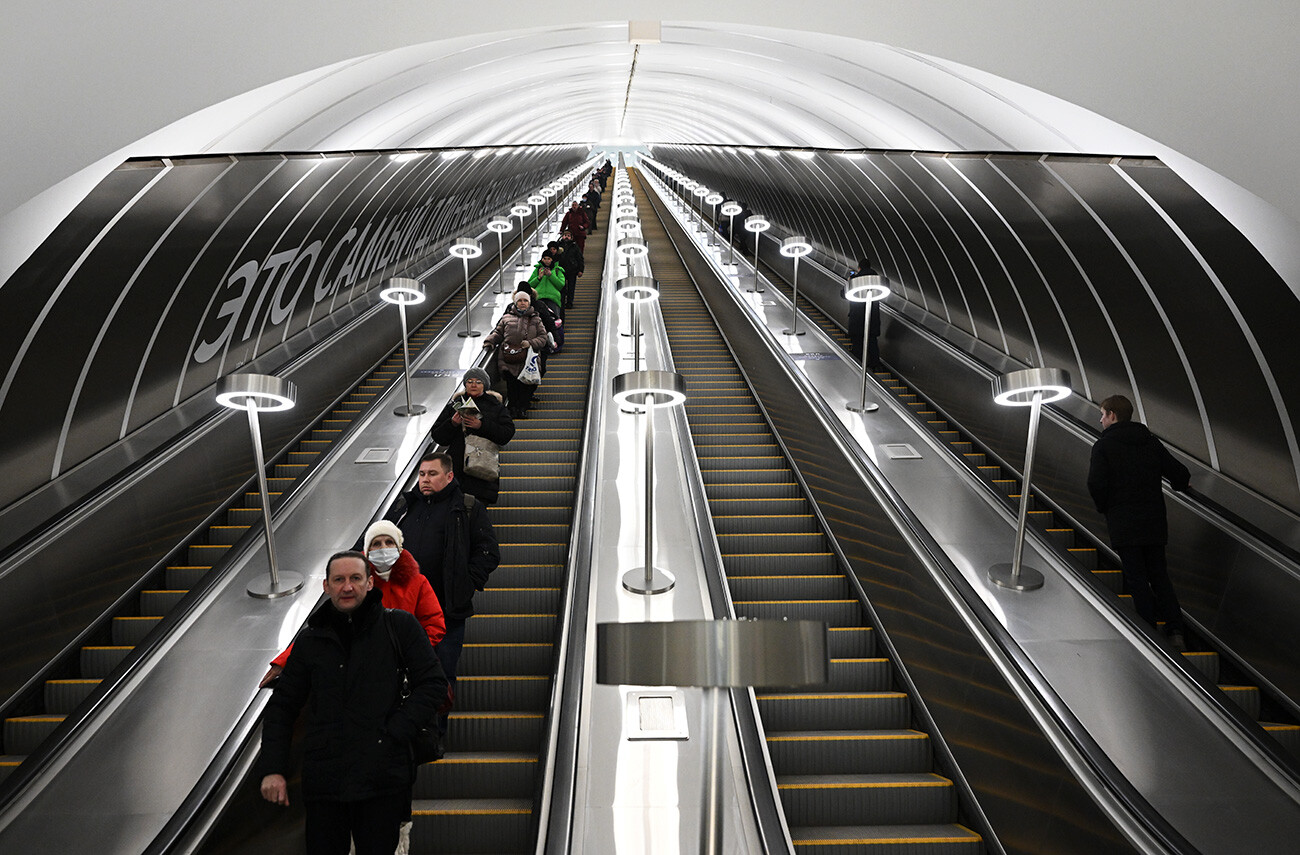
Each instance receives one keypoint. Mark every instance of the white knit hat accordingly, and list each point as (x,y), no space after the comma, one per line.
(382,527)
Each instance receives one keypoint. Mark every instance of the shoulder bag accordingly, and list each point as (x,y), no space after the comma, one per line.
(482,457)
(427,744)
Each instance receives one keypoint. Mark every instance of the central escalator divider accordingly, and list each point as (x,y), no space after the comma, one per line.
(482,797)
(852,770)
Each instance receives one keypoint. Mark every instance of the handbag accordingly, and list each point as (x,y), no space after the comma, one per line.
(426,746)
(531,373)
(482,457)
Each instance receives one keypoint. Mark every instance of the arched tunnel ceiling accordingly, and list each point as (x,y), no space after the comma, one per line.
(699,84)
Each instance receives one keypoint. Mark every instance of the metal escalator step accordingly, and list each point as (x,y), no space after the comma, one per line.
(1205,661)
(477,776)
(513,601)
(472,825)
(843,752)
(944,839)
(1086,556)
(528,437)
(531,658)
(469,731)
(850,642)
(540,515)
(503,692)
(1113,580)
(534,553)
(519,492)
(875,799)
(786,711)
(861,673)
(205,553)
(764,563)
(784,587)
(129,630)
(63,696)
(160,602)
(243,516)
(773,489)
(1288,735)
(537,469)
(22,734)
(762,541)
(8,763)
(756,523)
(99,660)
(511,456)
(729,411)
(739,475)
(531,532)
(833,612)
(1246,697)
(541,488)
(724,508)
(183,577)
(510,628)
(527,576)
(709,430)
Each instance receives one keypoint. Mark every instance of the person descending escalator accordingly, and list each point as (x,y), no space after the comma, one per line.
(520,339)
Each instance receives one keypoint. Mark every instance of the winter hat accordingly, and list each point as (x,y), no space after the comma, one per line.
(477,374)
(524,294)
(383,527)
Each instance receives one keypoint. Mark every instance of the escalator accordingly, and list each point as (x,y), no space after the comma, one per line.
(853,769)
(481,796)
(71,679)
(1075,545)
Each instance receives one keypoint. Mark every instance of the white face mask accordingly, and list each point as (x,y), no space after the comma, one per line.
(383,559)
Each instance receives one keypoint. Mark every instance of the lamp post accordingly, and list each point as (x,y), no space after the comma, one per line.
(404,292)
(635,290)
(253,392)
(689,185)
(713,200)
(547,193)
(730,210)
(466,248)
(536,201)
(648,391)
(630,248)
(795,246)
(870,290)
(500,225)
(1031,387)
(757,224)
(521,210)
(700,192)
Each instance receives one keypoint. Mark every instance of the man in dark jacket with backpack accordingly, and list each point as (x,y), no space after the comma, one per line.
(1124,479)
(449,535)
(347,663)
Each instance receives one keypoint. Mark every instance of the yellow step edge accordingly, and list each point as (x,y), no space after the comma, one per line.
(864,785)
(847,737)
(831,696)
(73,682)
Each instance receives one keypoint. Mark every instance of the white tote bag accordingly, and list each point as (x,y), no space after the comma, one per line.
(531,373)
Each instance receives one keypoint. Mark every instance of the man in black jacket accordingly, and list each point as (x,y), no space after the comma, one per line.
(449,535)
(358,769)
(1124,480)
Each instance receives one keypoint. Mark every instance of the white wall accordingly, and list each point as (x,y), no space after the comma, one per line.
(1213,80)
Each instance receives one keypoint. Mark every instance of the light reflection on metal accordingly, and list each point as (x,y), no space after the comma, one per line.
(868,289)
(404,292)
(796,247)
(466,248)
(757,224)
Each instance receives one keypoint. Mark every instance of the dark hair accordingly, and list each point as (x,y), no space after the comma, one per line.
(1121,407)
(443,458)
(347,553)
(552,244)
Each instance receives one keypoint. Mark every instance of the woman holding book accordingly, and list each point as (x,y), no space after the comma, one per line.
(477,410)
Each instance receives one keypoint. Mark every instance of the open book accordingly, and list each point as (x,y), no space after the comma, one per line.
(466,407)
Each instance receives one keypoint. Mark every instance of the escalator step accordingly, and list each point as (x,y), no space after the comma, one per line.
(763,541)
(887,840)
(876,799)
(833,612)
(860,674)
(757,523)
(494,731)
(783,711)
(159,602)
(23,734)
(99,661)
(472,825)
(778,489)
(129,630)
(534,553)
(528,576)
(183,577)
(741,475)
(518,489)
(63,696)
(512,515)
(848,642)
(1205,661)
(779,563)
(505,629)
(514,601)
(535,658)
(1288,735)
(723,508)
(828,587)
(1246,697)
(503,693)
(531,532)
(477,776)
